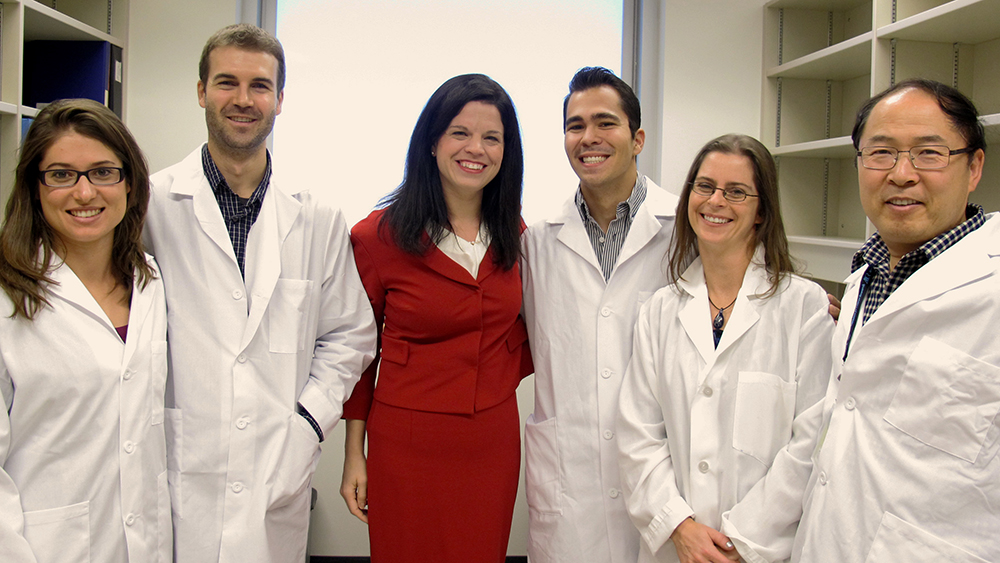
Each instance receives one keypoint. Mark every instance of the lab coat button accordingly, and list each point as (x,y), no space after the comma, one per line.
(606,311)
(703,466)
(237,487)
(128,374)
(606,373)
(237,294)
(706,391)
(242,358)
(129,447)
(849,404)
(242,423)
(129,520)
(608,434)
(613,493)
(822,477)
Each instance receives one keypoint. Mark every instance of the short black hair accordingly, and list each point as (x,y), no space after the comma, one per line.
(957,106)
(597,76)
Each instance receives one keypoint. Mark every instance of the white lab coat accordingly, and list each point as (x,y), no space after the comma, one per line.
(909,468)
(580,329)
(84,474)
(241,354)
(699,426)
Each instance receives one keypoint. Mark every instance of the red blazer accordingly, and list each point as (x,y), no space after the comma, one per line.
(447,342)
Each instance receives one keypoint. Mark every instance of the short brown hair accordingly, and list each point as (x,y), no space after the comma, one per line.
(248,37)
(25,230)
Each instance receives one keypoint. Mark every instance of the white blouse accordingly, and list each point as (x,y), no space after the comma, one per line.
(466,254)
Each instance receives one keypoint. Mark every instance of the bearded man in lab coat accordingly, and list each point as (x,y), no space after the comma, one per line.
(906,467)
(269,327)
(589,267)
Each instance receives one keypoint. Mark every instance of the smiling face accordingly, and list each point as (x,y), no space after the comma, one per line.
(470,151)
(719,224)
(599,144)
(908,206)
(82,215)
(240,98)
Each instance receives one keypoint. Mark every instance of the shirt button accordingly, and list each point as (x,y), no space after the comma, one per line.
(237,294)
(703,466)
(706,391)
(129,447)
(613,493)
(242,423)
(242,358)
(237,487)
(601,240)
(606,373)
(129,520)
(822,477)
(849,404)
(606,311)
(128,374)
(608,434)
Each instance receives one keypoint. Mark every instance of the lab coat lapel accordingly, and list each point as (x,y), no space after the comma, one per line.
(574,235)
(206,207)
(744,314)
(648,221)
(963,263)
(694,315)
(69,288)
(139,309)
(278,213)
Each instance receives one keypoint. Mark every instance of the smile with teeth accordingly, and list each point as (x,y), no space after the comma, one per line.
(471,165)
(716,220)
(594,159)
(85,213)
(241,119)
(902,202)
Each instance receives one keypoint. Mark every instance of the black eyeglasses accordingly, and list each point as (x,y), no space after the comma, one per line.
(732,195)
(923,157)
(101,176)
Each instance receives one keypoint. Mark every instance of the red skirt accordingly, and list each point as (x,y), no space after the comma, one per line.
(441,487)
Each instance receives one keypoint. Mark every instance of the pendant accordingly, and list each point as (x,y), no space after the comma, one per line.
(718,321)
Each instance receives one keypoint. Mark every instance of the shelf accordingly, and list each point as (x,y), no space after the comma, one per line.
(845,60)
(42,22)
(8,109)
(958,21)
(826,258)
(828,5)
(838,147)
(28,111)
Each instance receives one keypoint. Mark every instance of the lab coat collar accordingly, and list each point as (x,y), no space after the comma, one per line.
(967,261)
(658,205)
(695,318)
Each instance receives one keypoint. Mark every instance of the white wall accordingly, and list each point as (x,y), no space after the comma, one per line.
(711,53)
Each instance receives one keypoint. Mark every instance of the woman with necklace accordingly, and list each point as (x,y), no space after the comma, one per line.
(725,362)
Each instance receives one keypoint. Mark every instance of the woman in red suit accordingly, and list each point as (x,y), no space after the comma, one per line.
(440,264)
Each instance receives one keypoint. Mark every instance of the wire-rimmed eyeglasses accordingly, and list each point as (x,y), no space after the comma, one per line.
(922,157)
(732,195)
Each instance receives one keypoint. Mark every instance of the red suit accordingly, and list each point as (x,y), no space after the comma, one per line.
(443,428)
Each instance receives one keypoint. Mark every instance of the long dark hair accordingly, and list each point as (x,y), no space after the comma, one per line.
(418,203)
(770,232)
(26,238)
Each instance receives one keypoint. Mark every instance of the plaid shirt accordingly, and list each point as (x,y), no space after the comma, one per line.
(882,282)
(238,213)
(608,245)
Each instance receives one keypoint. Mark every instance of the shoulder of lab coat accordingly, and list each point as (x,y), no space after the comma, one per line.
(658,203)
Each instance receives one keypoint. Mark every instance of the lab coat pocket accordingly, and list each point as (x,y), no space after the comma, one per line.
(294,465)
(158,380)
(174,430)
(541,465)
(59,535)
(765,408)
(287,315)
(898,540)
(946,399)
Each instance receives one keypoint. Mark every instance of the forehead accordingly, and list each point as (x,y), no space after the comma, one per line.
(601,99)
(230,59)
(73,146)
(910,116)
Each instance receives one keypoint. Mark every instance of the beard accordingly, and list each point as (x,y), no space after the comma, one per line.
(219,129)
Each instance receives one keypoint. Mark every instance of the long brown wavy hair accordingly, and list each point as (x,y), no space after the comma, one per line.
(770,233)
(27,240)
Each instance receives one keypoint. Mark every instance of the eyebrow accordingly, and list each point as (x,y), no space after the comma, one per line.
(933,139)
(227,76)
(595,117)
(464,128)
(704,179)
(67,166)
